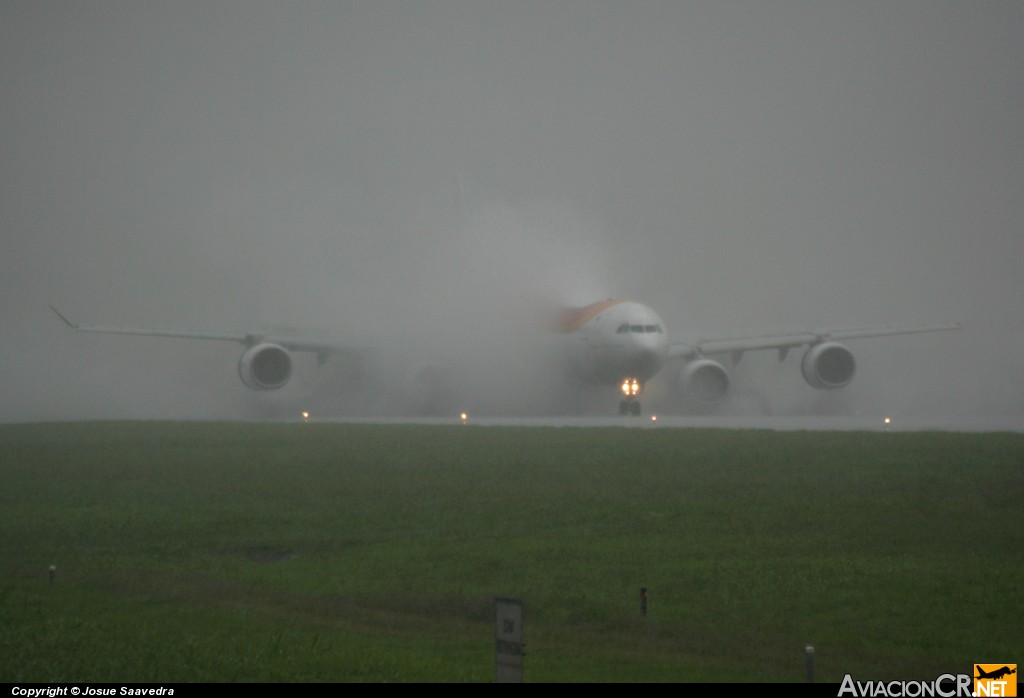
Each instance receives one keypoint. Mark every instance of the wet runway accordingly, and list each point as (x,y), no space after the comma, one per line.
(791,423)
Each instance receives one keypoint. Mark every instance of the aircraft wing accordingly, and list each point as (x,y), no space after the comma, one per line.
(783,342)
(321,346)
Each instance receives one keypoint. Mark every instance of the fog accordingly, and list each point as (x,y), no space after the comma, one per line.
(428,181)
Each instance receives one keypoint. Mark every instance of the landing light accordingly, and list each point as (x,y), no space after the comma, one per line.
(654,418)
(463,417)
(888,423)
(630,387)
(305,416)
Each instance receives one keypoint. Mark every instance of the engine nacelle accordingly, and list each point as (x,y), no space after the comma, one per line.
(704,381)
(828,365)
(265,367)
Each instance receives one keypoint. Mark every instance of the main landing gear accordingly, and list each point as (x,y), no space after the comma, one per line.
(631,389)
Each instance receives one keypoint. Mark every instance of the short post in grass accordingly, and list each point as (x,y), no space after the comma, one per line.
(509,647)
(643,601)
(52,572)
(809,659)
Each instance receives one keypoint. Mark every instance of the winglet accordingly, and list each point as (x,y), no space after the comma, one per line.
(64,319)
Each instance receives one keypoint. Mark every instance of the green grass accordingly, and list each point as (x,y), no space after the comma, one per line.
(314,552)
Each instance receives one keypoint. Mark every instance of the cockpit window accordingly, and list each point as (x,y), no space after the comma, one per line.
(639,329)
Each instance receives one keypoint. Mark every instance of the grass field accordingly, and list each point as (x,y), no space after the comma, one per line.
(329,552)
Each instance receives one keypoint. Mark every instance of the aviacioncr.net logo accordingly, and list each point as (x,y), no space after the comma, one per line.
(945,686)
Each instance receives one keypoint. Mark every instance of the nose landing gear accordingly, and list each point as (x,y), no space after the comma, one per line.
(630,407)
(631,389)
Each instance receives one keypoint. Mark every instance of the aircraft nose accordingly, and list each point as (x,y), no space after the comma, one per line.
(646,357)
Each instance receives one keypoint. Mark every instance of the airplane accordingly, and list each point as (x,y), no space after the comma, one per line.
(607,343)
(624,343)
(995,674)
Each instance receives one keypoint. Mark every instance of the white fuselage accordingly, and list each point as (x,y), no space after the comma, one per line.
(613,341)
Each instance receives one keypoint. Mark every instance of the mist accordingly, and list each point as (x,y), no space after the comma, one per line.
(428,182)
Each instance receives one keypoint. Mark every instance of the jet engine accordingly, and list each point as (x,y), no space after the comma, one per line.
(828,365)
(703,380)
(265,367)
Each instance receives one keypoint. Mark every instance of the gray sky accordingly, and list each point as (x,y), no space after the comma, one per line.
(397,172)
